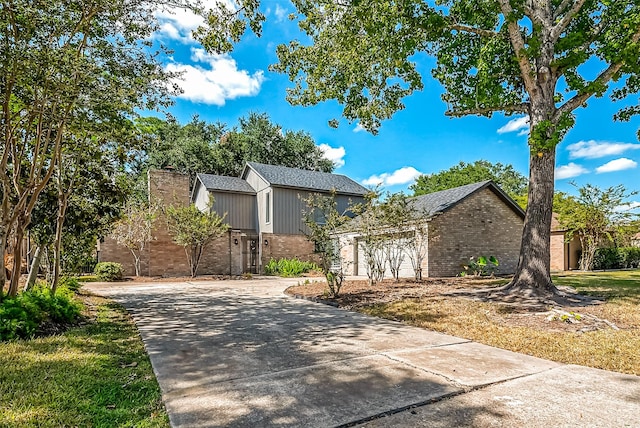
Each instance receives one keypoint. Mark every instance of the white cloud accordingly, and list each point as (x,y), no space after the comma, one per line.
(403,175)
(617,165)
(359,128)
(521,123)
(598,149)
(215,82)
(178,23)
(569,171)
(280,13)
(334,154)
(629,206)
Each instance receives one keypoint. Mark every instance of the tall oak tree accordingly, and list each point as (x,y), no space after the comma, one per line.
(511,56)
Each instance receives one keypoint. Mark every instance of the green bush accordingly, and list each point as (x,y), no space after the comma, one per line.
(288,267)
(616,258)
(483,266)
(108,271)
(21,316)
(70,282)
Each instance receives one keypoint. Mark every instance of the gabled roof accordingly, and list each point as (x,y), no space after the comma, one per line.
(438,202)
(283,176)
(223,183)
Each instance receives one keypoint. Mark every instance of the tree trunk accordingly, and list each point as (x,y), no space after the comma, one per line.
(532,275)
(17,262)
(35,268)
(57,246)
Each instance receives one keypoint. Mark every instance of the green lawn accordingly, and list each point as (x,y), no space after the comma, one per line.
(612,285)
(96,375)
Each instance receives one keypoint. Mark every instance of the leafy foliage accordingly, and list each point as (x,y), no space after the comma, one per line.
(194,230)
(133,230)
(508,56)
(108,271)
(199,147)
(289,267)
(20,316)
(593,216)
(325,222)
(616,258)
(505,176)
(482,266)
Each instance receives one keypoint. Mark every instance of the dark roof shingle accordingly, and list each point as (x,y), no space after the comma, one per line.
(433,203)
(283,176)
(225,184)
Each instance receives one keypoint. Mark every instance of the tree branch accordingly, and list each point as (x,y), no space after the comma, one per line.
(566,20)
(516,108)
(473,30)
(517,42)
(561,8)
(604,77)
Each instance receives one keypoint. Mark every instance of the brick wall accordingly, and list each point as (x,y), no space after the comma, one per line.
(166,258)
(558,253)
(480,225)
(286,246)
(110,251)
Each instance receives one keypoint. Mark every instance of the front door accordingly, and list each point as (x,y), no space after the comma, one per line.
(250,254)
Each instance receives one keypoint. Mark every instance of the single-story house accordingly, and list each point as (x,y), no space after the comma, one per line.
(474,220)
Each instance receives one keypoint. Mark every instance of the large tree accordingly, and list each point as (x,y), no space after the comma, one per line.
(541,58)
(63,65)
(213,148)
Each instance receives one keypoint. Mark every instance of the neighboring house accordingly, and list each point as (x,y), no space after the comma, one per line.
(565,254)
(467,221)
(263,208)
(635,241)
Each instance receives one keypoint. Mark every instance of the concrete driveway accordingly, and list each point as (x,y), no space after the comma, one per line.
(241,353)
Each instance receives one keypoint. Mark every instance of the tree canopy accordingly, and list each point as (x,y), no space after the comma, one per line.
(200,147)
(594,216)
(542,58)
(505,176)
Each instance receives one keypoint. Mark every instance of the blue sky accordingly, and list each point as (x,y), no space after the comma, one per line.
(417,140)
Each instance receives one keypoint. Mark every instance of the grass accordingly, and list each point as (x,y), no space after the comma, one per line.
(95,375)
(492,324)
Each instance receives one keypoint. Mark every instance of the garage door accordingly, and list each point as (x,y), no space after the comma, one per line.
(406,269)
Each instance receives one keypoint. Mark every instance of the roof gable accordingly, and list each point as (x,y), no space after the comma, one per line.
(296,178)
(225,184)
(438,202)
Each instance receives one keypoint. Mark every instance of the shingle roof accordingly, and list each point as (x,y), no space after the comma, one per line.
(283,176)
(433,203)
(225,184)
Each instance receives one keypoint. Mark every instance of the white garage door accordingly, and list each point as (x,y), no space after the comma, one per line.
(406,269)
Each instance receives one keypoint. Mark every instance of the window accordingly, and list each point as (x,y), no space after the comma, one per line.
(267,204)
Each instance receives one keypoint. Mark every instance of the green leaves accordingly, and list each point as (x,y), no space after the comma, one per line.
(505,176)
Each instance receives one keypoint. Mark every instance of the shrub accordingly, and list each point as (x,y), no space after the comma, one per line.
(21,316)
(484,266)
(108,271)
(288,267)
(70,282)
(616,258)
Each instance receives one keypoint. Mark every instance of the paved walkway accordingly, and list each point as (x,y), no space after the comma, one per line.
(240,353)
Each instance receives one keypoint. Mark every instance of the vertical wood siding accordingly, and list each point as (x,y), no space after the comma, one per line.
(240,209)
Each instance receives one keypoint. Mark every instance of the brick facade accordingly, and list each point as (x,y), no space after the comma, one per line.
(480,225)
(286,246)
(229,254)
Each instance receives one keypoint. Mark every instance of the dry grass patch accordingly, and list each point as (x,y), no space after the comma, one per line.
(605,336)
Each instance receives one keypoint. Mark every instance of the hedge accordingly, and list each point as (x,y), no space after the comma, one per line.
(617,258)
